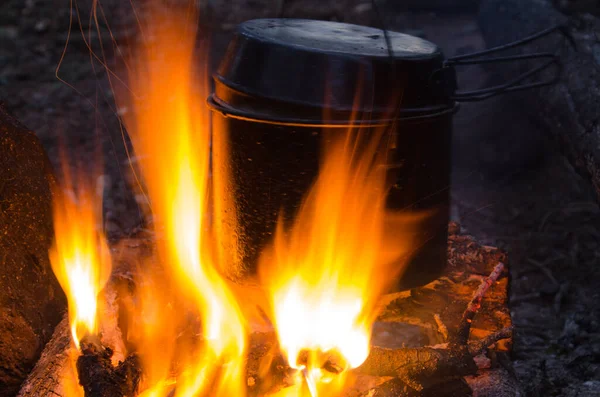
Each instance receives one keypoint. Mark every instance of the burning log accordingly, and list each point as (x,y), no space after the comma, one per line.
(416,370)
(63,368)
(427,368)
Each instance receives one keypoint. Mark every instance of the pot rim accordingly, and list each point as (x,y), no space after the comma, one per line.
(418,114)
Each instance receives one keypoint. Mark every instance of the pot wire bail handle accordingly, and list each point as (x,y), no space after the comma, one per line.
(447,75)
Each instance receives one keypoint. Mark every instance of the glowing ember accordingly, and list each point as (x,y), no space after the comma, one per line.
(80,257)
(324,275)
(170,134)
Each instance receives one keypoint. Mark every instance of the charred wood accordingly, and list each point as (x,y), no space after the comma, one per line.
(100,378)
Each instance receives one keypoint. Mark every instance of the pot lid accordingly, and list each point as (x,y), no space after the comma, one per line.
(333,65)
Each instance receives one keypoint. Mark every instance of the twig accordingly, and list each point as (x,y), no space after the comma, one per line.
(464,328)
(442,329)
(478,347)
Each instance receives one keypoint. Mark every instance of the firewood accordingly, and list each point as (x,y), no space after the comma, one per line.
(55,373)
(46,377)
(420,368)
(427,367)
(416,370)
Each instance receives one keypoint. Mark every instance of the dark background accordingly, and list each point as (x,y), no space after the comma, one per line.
(511,186)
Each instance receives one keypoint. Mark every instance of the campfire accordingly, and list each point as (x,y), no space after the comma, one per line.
(172,322)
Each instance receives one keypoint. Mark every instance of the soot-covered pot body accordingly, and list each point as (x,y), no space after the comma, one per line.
(284,84)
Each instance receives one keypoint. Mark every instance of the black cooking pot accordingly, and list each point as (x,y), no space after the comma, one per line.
(283,82)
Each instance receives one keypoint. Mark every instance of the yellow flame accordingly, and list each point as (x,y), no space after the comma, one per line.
(325,274)
(79,255)
(170,134)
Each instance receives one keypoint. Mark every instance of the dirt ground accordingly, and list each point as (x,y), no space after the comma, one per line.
(511,188)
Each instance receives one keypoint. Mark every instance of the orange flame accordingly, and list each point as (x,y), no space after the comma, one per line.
(325,274)
(169,129)
(79,255)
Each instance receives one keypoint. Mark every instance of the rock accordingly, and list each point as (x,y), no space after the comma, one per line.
(567,111)
(31,300)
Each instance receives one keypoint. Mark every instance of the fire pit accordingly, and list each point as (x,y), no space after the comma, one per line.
(430,316)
